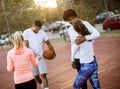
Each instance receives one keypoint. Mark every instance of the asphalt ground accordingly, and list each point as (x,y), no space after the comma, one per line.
(61,75)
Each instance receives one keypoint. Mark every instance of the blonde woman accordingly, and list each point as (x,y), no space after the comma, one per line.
(18,61)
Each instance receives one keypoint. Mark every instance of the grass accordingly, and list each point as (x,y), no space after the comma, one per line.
(113,33)
(59,40)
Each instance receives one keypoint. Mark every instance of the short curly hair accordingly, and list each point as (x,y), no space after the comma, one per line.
(38,23)
(69,13)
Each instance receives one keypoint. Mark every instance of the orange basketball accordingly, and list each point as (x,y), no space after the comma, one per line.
(48,54)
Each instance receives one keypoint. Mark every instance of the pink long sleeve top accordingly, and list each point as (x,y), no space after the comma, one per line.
(18,60)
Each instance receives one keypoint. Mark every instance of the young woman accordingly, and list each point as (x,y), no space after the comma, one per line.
(18,61)
(88,62)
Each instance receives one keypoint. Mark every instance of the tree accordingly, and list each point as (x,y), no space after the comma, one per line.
(22,13)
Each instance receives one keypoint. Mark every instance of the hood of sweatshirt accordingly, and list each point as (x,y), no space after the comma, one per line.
(19,51)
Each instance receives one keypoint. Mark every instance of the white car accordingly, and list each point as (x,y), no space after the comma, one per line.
(63,30)
(2,42)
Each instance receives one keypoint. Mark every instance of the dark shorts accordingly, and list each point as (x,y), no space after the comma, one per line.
(27,85)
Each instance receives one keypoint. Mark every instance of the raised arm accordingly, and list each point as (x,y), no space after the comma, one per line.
(94,34)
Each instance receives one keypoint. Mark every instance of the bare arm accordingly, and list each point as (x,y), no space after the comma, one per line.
(80,39)
(26,43)
(50,46)
(93,34)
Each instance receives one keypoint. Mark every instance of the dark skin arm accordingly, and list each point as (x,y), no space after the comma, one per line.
(73,64)
(26,43)
(79,40)
(50,46)
(47,42)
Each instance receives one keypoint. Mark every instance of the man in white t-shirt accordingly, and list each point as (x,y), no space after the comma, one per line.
(69,15)
(34,38)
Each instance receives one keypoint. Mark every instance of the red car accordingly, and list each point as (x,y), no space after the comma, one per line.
(112,22)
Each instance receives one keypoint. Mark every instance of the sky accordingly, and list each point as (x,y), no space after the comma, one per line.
(46,3)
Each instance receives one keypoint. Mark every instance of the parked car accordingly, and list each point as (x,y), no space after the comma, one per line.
(101,17)
(112,22)
(53,27)
(2,42)
(63,30)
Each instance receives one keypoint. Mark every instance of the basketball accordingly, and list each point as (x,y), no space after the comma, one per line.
(48,54)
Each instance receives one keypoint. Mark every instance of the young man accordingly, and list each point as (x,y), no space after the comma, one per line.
(69,15)
(34,38)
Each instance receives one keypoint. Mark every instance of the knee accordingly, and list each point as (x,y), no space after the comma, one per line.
(80,80)
(37,76)
(43,76)
(38,79)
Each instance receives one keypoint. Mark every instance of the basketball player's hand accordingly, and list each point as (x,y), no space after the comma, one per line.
(73,64)
(79,40)
(38,57)
(54,54)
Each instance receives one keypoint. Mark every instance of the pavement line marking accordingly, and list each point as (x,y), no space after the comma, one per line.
(107,69)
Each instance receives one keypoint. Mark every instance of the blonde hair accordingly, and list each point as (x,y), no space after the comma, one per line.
(18,40)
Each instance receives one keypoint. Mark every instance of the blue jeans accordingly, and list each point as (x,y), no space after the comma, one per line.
(87,71)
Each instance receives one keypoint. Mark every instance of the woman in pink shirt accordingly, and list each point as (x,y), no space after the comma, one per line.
(18,61)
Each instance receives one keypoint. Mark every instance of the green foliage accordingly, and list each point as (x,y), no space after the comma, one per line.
(22,13)
(18,13)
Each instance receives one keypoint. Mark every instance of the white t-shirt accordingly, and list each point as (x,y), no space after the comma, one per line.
(73,34)
(35,40)
(85,50)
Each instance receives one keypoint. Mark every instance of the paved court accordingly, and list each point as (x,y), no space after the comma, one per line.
(61,75)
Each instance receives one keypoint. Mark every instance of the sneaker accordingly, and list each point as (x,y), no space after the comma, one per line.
(42,85)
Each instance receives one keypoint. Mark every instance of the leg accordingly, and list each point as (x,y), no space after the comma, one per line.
(39,80)
(44,80)
(94,77)
(83,75)
(35,71)
(84,86)
(78,66)
(43,72)
(94,80)
(37,77)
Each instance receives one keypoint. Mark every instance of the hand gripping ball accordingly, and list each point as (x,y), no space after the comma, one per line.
(48,54)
